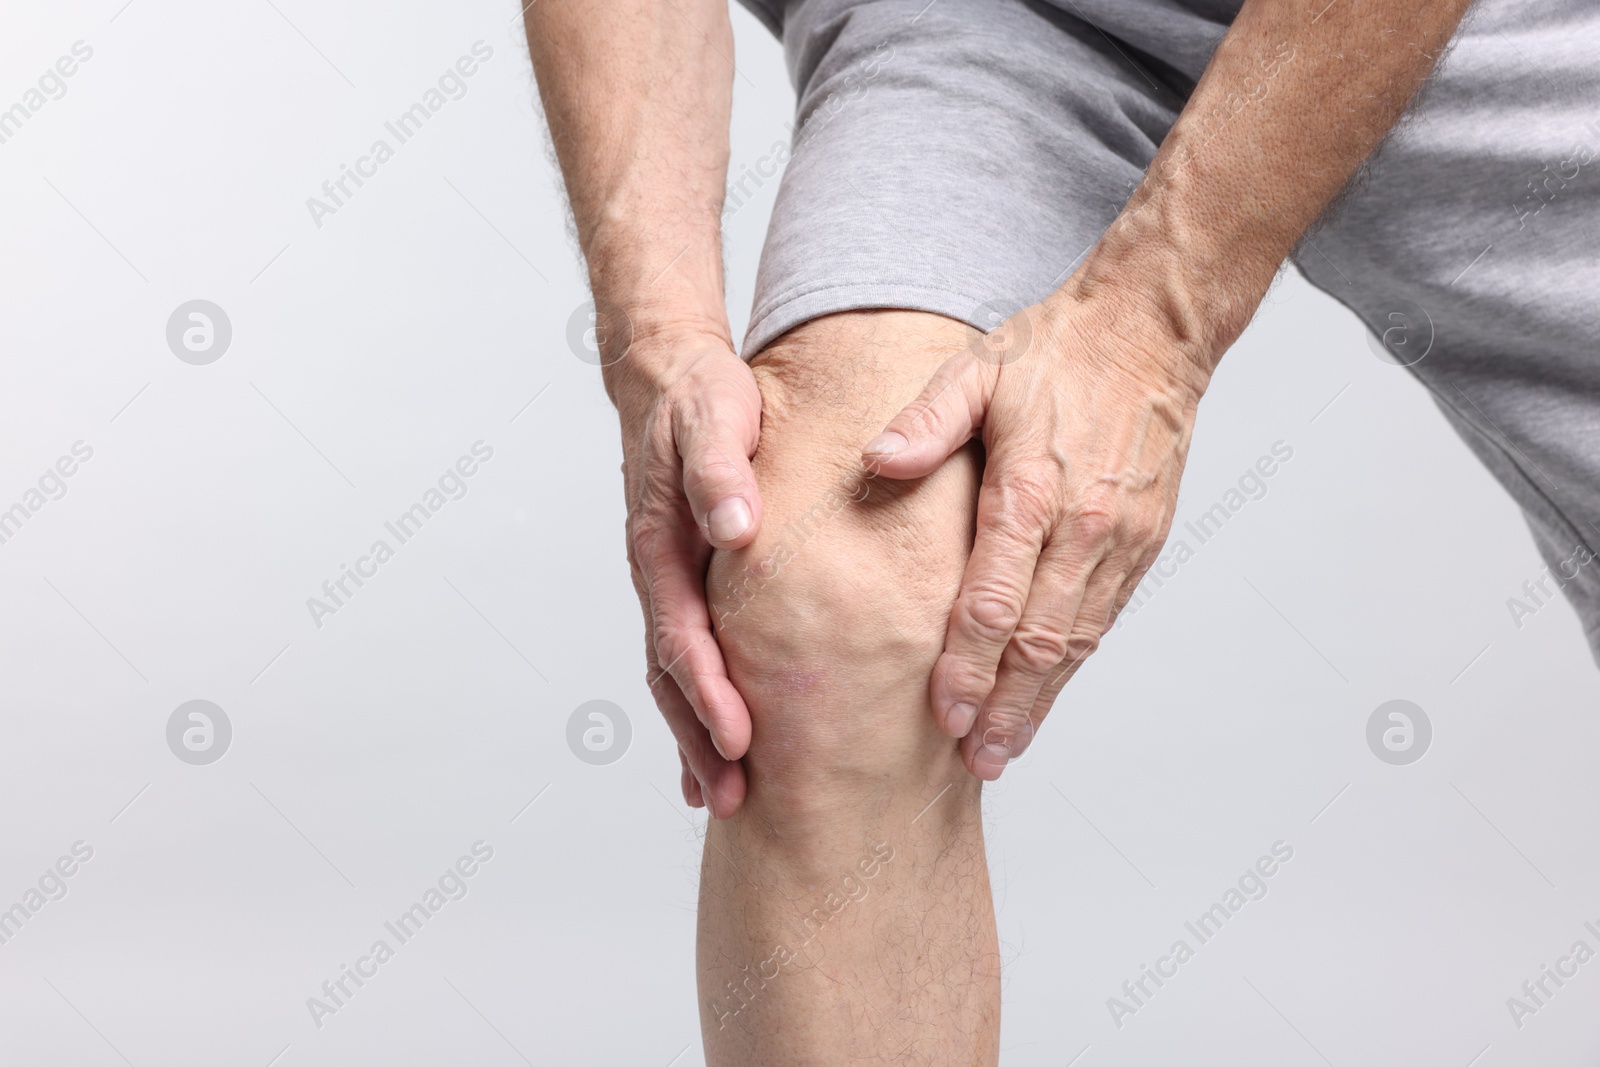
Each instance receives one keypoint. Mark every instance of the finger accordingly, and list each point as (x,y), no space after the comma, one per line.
(987,755)
(719,783)
(1069,667)
(1107,588)
(943,417)
(672,563)
(690,734)
(692,794)
(1130,584)
(717,478)
(1046,638)
(994,591)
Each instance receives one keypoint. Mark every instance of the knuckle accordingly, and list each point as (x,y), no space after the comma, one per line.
(662,485)
(711,474)
(993,613)
(648,536)
(928,419)
(1096,522)
(1141,530)
(1036,649)
(1001,726)
(640,588)
(1081,645)
(1125,594)
(964,679)
(670,644)
(662,650)
(632,552)
(1026,494)
(641,555)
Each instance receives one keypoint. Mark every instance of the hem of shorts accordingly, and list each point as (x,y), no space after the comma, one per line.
(801,308)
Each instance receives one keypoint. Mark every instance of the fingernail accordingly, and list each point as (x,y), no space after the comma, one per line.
(989,761)
(729,519)
(886,444)
(961,718)
(718,746)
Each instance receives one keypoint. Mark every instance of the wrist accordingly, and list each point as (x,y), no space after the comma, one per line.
(653,293)
(662,350)
(1187,283)
(649,305)
(656,262)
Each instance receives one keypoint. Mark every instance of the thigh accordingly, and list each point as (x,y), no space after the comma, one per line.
(832,619)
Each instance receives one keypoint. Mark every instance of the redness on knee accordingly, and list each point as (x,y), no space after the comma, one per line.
(792,683)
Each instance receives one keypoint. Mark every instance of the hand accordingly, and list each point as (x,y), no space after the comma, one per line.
(690,413)
(1085,412)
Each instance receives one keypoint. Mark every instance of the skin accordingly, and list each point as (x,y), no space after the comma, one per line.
(831,621)
(914,640)
(1086,401)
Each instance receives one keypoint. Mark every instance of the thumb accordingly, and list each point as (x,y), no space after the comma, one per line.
(940,420)
(718,482)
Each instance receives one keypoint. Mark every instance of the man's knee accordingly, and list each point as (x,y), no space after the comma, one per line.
(832,620)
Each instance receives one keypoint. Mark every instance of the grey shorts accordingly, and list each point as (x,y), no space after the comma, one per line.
(961,156)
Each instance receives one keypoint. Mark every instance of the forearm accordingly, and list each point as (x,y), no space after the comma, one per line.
(638,97)
(1298,94)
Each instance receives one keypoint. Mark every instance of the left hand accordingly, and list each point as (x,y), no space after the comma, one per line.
(1085,410)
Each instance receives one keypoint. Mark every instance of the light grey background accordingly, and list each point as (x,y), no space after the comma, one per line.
(369,754)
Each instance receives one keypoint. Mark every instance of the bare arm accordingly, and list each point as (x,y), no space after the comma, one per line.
(638,96)
(1086,401)
(1296,97)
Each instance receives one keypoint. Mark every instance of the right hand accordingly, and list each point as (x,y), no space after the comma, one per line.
(690,414)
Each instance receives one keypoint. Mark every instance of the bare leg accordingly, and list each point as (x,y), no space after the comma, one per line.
(845,914)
